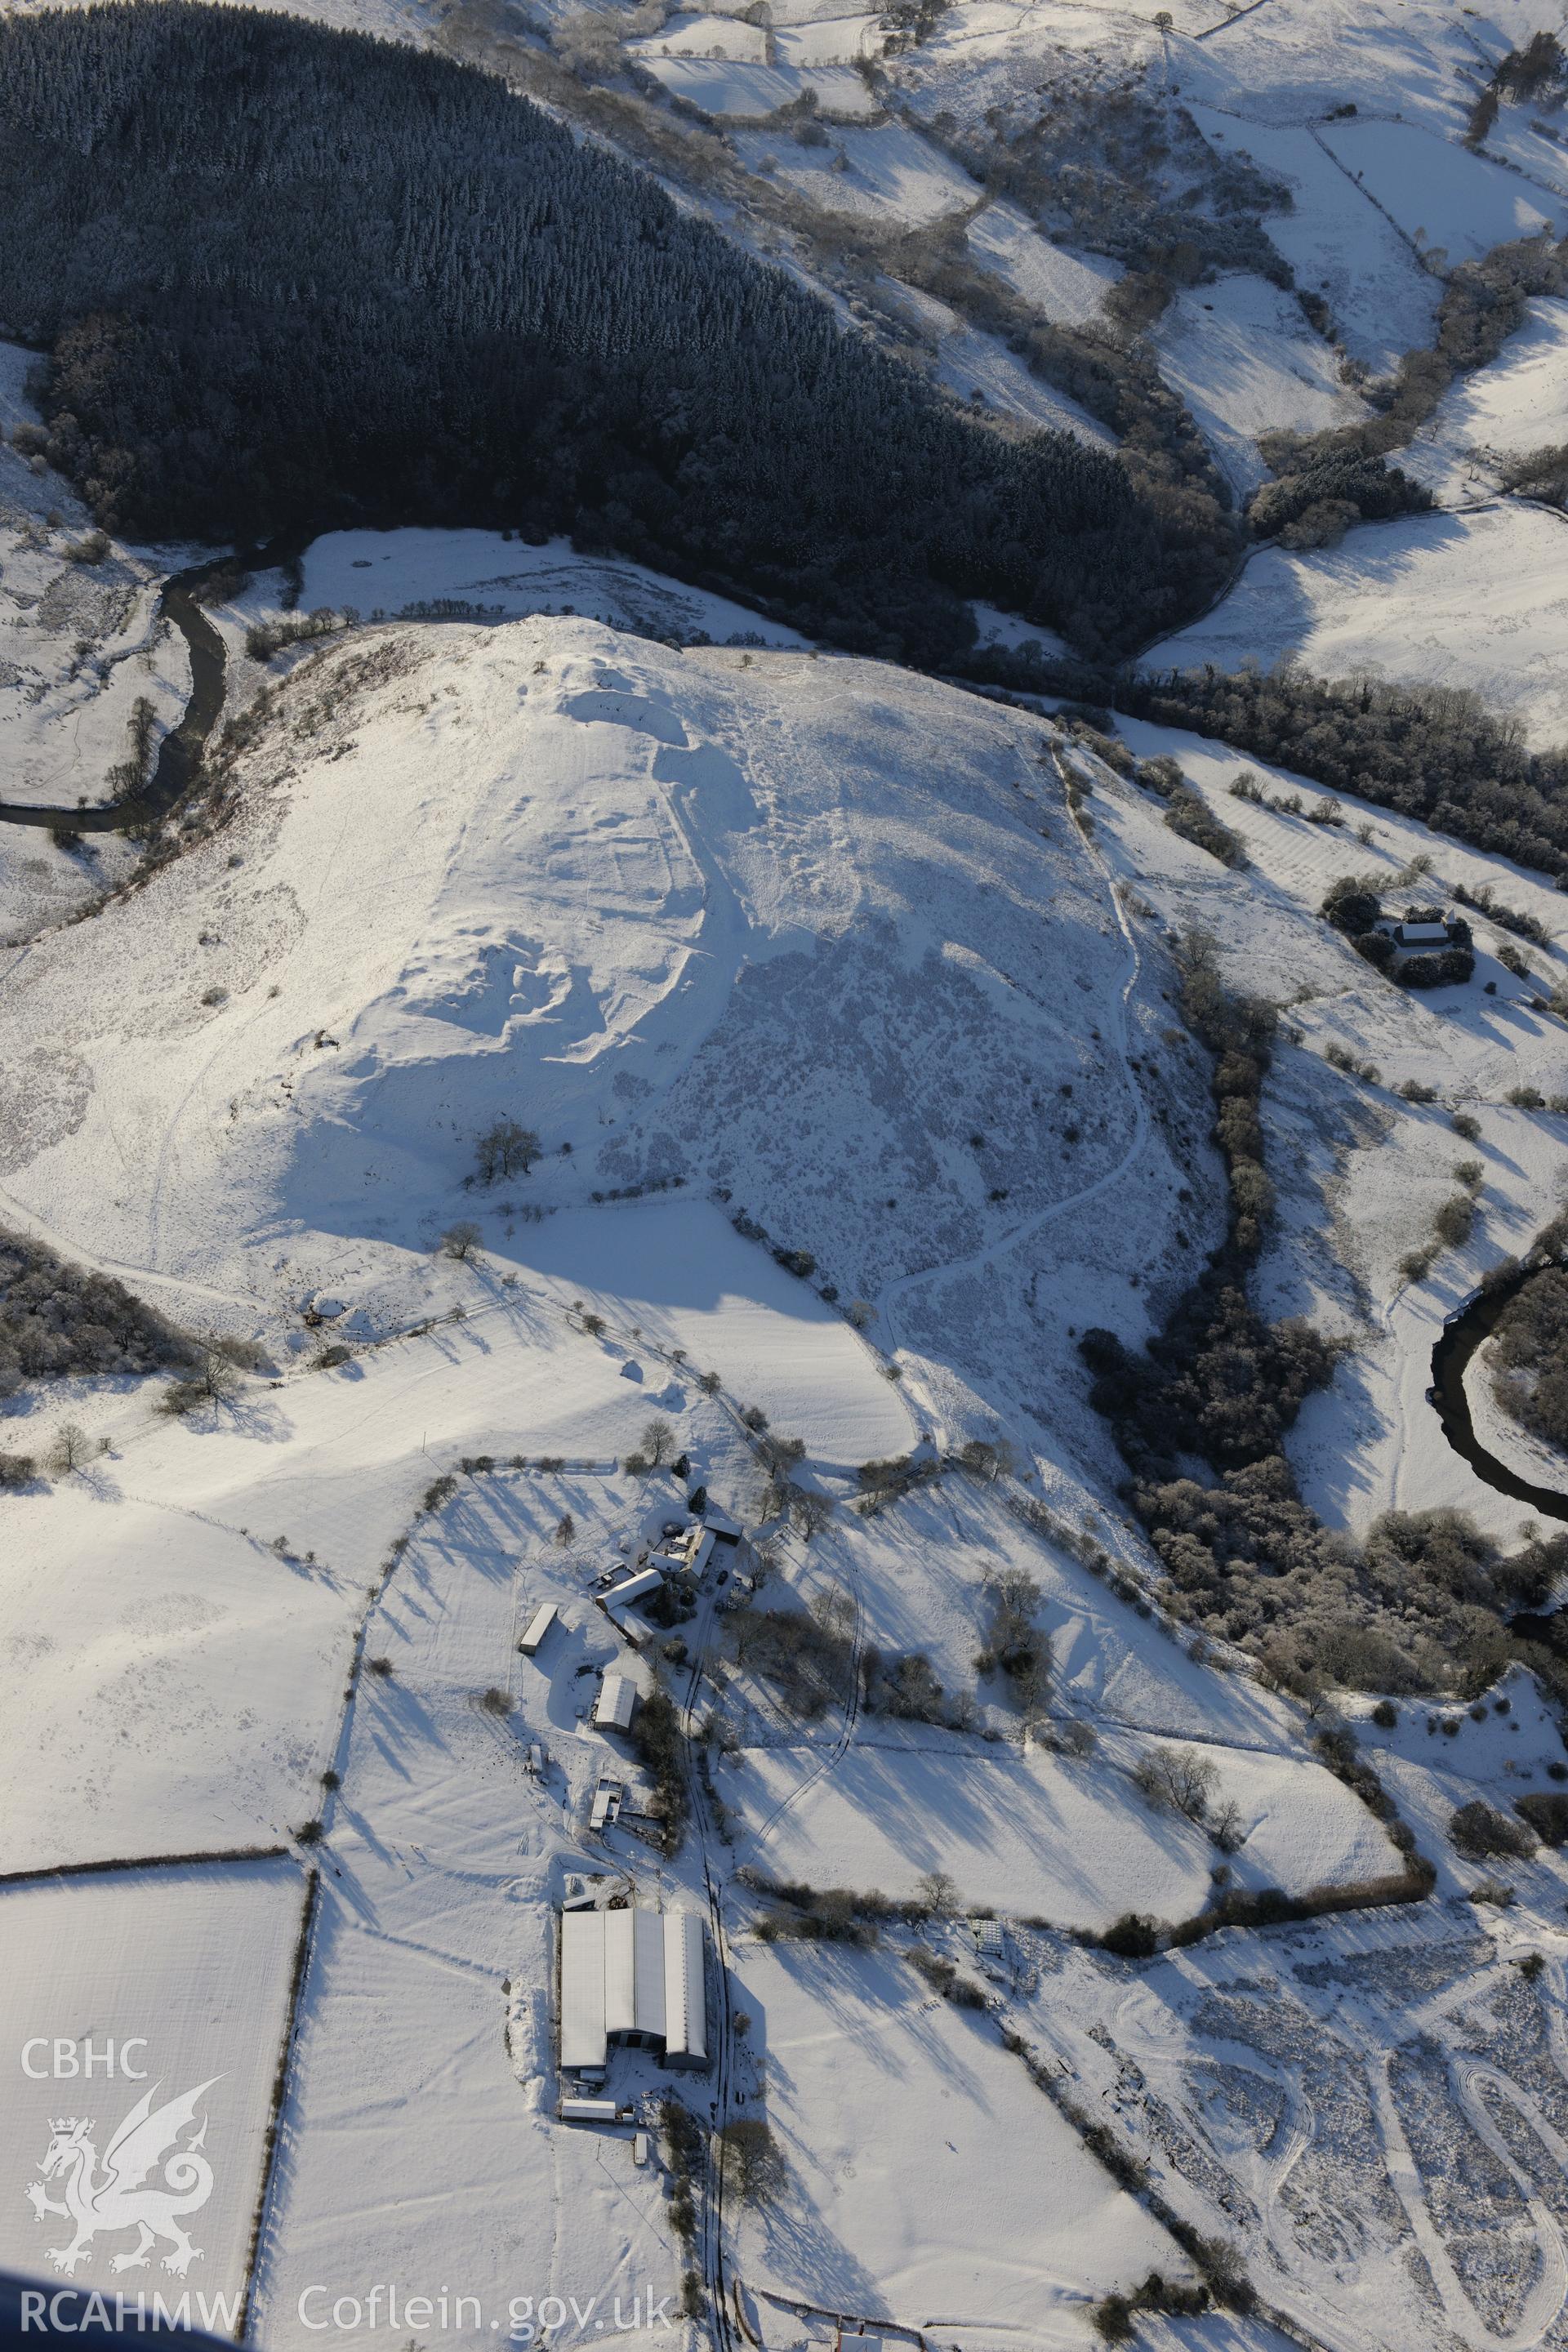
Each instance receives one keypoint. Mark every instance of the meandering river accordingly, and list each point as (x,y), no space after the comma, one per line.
(1462,1335)
(181,747)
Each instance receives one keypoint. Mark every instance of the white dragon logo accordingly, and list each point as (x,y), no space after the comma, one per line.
(115,2199)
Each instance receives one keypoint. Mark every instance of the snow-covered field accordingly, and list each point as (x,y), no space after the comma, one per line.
(1242,357)
(390,573)
(1439,194)
(155,1998)
(1518,404)
(903,2140)
(1381,301)
(1059,284)
(1071,1843)
(1471,600)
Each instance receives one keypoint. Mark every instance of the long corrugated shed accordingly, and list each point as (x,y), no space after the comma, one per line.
(685,1994)
(582,2040)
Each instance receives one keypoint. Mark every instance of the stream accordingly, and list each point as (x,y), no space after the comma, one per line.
(181,747)
(1462,1335)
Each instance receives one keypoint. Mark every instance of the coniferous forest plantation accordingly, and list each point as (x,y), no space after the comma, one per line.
(292,279)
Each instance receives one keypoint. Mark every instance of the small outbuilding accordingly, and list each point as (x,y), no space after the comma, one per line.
(539,1624)
(607,1804)
(1421,935)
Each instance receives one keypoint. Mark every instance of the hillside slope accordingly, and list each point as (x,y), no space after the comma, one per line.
(775,930)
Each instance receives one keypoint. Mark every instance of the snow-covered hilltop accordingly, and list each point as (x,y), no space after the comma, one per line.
(820,934)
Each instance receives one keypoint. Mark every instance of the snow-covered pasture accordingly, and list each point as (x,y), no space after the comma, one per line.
(183,1976)
(1060,285)
(1038,1836)
(1518,404)
(1340,245)
(1297,60)
(705,36)
(169,1685)
(972,363)
(888,172)
(828,41)
(921,1572)
(679,1271)
(1243,358)
(1469,600)
(1441,195)
(390,571)
(736,91)
(903,2122)
(1026,1831)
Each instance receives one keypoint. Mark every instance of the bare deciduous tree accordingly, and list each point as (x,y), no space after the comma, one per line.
(69,1450)
(1178,1780)
(808,1513)
(937,1892)
(658,1443)
(506,1149)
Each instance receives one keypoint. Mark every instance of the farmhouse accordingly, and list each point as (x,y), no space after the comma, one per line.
(1424,930)
(634,1978)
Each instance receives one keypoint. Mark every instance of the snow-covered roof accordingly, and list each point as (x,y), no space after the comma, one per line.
(634,1972)
(582,1988)
(539,1624)
(607,1804)
(701,1550)
(631,1972)
(616,1702)
(633,1587)
(685,1994)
